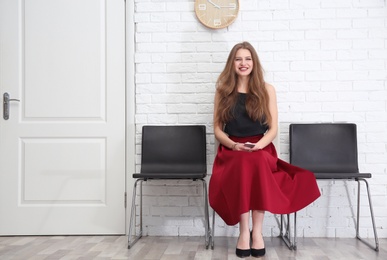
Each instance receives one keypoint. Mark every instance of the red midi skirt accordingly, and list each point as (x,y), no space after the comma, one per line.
(243,181)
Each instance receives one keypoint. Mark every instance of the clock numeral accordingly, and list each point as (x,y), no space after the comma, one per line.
(202,7)
(232,6)
(217,22)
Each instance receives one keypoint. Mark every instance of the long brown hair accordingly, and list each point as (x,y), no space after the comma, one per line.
(257,101)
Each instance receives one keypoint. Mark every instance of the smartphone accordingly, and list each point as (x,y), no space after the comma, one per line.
(249,145)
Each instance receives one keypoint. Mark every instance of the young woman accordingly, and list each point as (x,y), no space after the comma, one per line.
(247,174)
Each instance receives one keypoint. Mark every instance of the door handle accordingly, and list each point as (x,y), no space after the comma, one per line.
(6,101)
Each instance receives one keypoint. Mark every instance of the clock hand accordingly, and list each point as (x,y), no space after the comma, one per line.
(217,6)
(231,6)
(226,6)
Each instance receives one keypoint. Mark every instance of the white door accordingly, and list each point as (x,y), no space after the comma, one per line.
(62,150)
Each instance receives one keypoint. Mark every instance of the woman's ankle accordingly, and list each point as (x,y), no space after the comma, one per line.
(243,241)
(257,241)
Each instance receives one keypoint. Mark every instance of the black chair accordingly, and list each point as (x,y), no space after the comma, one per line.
(175,152)
(330,151)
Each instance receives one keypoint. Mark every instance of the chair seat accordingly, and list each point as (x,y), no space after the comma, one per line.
(340,175)
(153,175)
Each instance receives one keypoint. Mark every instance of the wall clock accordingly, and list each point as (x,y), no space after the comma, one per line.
(216,14)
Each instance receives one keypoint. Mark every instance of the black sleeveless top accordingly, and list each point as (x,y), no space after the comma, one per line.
(241,125)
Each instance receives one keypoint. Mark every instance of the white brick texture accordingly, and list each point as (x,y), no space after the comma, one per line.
(328,62)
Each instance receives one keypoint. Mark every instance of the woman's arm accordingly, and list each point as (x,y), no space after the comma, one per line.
(273,128)
(220,135)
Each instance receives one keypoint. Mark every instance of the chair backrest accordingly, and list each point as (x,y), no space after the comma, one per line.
(324,147)
(174,149)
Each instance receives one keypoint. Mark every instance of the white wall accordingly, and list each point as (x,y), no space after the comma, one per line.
(328,62)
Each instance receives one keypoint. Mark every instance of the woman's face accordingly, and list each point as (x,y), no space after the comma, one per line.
(243,62)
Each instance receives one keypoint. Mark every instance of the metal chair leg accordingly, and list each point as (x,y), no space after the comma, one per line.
(286,236)
(290,241)
(206,215)
(213,230)
(295,232)
(132,222)
(376,246)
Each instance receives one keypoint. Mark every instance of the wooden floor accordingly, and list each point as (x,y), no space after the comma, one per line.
(171,248)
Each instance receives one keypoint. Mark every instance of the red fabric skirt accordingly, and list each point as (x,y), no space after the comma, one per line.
(243,181)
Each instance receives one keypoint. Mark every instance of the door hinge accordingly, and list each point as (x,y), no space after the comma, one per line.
(125,199)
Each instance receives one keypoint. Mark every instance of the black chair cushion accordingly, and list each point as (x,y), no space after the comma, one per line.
(340,175)
(169,175)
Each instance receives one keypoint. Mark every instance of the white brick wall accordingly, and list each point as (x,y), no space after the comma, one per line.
(328,62)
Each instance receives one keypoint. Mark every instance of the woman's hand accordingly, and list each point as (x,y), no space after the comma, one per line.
(246,147)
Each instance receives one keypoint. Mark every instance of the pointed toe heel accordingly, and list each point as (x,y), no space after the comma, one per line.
(242,253)
(258,252)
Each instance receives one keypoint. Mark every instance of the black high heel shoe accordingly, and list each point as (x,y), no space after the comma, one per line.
(242,253)
(256,252)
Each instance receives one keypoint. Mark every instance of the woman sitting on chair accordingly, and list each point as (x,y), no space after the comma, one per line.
(247,174)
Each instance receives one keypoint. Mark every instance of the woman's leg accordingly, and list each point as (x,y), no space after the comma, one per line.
(257,217)
(244,232)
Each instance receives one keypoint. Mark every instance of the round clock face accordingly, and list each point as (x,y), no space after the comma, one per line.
(216,13)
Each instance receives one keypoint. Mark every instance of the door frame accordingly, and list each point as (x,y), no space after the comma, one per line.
(130,107)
